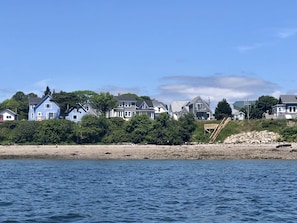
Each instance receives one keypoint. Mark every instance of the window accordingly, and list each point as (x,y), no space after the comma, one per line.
(8,116)
(127,114)
(199,106)
(74,117)
(48,105)
(39,114)
(51,115)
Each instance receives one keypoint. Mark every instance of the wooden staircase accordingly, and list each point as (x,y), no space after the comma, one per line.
(218,129)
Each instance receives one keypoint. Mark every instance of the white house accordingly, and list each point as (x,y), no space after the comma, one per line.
(8,115)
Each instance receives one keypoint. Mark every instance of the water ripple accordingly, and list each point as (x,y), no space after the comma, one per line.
(148,191)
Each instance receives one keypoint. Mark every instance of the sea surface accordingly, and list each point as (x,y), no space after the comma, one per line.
(148,191)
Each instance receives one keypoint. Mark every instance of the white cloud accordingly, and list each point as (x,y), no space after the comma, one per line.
(215,88)
(286,33)
(115,90)
(245,48)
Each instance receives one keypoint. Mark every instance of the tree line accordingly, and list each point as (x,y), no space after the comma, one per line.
(92,129)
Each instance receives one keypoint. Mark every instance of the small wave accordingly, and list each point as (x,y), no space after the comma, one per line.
(70,217)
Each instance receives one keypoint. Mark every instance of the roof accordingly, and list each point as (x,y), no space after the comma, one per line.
(35,101)
(157,103)
(148,102)
(77,106)
(200,100)
(287,99)
(8,111)
(176,106)
(241,104)
(125,98)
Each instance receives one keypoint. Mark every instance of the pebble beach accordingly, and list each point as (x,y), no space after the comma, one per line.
(159,152)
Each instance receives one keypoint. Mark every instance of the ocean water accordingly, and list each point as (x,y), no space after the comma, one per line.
(148,191)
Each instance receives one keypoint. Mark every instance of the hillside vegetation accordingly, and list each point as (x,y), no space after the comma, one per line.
(286,129)
(138,130)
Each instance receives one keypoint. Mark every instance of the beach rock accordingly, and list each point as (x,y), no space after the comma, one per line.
(253,137)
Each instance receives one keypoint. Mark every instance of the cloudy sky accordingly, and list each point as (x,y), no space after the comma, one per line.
(166,49)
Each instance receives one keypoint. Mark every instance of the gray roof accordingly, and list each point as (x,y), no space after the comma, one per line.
(35,101)
(176,106)
(287,99)
(241,104)
(148,102)
(125,98)
(157,103)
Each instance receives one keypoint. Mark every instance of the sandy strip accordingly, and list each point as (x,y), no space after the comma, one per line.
(125,152)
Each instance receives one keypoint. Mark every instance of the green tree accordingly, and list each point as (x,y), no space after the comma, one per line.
(103,102)
(47,91)
(138,128)
(65,100)
(187,126)
(116,131)
(160,131)
(25,132)
(56,132)
(93,129)
(222,110)
(18,103)
(84,96)
(263,104)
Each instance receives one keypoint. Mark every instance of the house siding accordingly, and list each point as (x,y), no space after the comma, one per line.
(44,110)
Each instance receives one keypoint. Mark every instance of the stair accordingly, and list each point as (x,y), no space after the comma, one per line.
(219,128)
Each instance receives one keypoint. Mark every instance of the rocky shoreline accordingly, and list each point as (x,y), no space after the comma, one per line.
(138,152)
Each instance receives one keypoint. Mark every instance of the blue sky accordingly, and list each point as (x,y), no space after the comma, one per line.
(166,49)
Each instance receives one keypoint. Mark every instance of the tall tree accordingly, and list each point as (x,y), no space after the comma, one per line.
(92,129)
(263,104)
(65,100)
(103,102)
(84,96)
(222,110)
(138,128)
(47,91)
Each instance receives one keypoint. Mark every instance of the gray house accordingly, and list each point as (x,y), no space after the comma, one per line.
(286,107)
(199,108)
(196,106)
(128,106)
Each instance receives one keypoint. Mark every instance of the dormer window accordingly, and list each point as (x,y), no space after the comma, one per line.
(199,106)
(48,105)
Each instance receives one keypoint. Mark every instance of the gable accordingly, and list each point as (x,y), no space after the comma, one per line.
(145,104)
(199,104)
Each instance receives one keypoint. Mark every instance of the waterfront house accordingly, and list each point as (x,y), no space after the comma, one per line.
(239,115)
(175,109)
(159,107)
(199,108)
(285,108)
(43,109)
(128,106)
(8,115)
(76,112)
(145,107)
